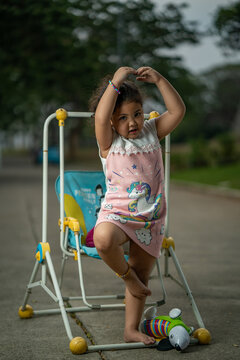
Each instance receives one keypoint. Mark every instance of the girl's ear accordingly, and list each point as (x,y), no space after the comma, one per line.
(111,122)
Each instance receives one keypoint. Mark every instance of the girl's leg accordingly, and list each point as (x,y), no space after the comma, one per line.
(142,263)
(108,239)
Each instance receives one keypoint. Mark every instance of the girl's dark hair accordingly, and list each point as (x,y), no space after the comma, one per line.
(129,92)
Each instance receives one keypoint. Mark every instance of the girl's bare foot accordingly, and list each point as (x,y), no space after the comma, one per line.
(137,336)
(136,286)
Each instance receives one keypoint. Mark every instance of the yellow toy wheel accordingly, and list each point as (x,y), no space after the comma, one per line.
(203,336)
(27,313)
(78,345)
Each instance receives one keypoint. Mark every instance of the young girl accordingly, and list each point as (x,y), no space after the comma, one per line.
(134,206)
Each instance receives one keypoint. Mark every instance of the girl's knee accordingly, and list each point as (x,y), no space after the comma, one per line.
(103,242)
(108,235)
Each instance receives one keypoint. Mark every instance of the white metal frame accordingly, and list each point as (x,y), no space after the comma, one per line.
(47,262)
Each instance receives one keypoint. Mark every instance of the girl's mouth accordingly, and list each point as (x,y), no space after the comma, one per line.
(132,131)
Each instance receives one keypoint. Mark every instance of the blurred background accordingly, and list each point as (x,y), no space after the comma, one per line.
(53,54)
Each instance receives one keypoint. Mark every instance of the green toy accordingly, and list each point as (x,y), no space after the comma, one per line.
(171,330)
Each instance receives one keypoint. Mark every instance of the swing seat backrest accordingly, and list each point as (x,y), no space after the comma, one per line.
(83,194)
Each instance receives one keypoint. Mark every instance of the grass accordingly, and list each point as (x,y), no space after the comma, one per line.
(227,176)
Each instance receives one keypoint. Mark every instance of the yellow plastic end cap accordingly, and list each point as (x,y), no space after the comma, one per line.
(168,242)
(75,255)
(73,224)
(61,114)
(27,313)
(153,114)
(38,256)
(203,336)
(42,248)
(78,345)
(45,248)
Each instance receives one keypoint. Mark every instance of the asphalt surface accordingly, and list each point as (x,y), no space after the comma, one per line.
(206,229)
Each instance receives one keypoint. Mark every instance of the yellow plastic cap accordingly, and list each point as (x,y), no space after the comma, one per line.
(37,256)
(203,336)
(26,313)
(168,242)
(153,114)
(61,114)
(78,345)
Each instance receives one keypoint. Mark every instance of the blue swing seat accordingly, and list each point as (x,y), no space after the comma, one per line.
(83,194)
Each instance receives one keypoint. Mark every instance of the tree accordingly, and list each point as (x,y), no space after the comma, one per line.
(226,23)
(223,82)
(54,52)
(222,99)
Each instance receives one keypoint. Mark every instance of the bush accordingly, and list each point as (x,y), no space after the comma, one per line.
(227,148)
(200,153)
(179,161)
(223,150)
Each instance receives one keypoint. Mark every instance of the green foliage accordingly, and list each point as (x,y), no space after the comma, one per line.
(227,149)
(222,150)
(227,25)
(53,52)
(200,155)
(222,99)
(226,176)
(179,161)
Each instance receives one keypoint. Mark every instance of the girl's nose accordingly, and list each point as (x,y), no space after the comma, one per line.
(132,120)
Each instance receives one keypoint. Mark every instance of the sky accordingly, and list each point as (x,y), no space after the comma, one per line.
(205,55)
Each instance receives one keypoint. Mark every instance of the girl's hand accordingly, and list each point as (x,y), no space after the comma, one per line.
(121,74)
(147,74)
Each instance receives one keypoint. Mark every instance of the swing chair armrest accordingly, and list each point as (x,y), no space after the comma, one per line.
(71,223)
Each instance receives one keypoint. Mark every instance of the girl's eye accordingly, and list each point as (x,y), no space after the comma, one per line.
(122,118)
(138,114)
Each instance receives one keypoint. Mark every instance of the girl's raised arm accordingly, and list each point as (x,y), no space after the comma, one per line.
(169,120)
(103,114)
(105,108)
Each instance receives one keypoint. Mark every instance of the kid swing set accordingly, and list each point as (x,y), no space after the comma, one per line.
(80,194)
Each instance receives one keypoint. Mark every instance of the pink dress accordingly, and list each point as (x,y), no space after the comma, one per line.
(135,199)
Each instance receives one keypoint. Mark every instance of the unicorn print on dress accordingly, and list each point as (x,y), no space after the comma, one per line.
(142,201)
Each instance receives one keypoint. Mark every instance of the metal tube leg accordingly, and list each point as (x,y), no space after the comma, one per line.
(32,279)
(59,296)
(166,267)
(64,258)
(81,274)
(185,284)
(123,346)
(161,281)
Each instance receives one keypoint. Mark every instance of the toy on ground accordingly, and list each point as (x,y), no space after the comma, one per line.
(171,331)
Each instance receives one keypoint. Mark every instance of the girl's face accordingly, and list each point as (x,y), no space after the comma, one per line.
(128,119)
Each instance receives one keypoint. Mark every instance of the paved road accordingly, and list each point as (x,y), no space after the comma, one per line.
(206,230)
